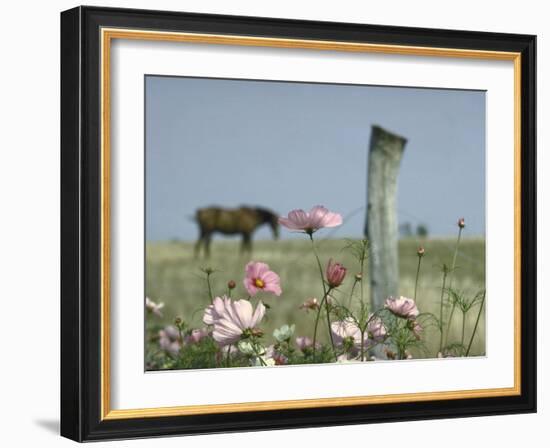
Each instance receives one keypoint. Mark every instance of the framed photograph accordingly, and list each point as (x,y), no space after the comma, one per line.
(272,223)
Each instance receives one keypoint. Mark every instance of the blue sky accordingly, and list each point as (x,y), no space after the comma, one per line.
(286,145)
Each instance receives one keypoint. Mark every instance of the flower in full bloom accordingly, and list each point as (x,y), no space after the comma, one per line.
(196,335)
(335,274)
(231,319)
(402,307)
(311,304)
(284,333)
(169,340)
(153,307)
(309,222)
(346,333)
(376,331)
(259,278)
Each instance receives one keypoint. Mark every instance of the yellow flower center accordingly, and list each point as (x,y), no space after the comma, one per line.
(259,283)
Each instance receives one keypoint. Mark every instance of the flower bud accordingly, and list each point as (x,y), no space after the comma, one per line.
(231,284)
(461,223)
(178,321)
(358,277)
(335,274)
(420,252)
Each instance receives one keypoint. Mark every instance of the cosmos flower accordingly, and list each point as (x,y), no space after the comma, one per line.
(196,335)
(309,222)
(402,307)
(153,307)
(376,331)
(346,332)
(284,333)
(259,278)
(335,274)
(169,340)
(231,319)
(311,304)
(304,342)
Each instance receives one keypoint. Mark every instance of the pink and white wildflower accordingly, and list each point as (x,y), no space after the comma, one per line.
(402,307)
(309,222)
(305,343)
(260,278)
(232,318)
(311,304)
(153,307)
(169,340)
(346,332)
(376,331)
(196,335)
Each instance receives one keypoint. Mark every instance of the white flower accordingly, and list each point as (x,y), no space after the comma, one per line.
(232,318)
(284,333)
(153,307)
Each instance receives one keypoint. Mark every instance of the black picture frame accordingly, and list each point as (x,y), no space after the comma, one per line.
(81,224)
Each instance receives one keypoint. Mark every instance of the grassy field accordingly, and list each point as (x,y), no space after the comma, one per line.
(174,277)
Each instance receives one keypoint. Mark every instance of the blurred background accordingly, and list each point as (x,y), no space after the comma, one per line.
(283,145)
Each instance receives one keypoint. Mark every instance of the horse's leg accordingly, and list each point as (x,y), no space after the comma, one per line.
(246,246)
(198,245)
(207,241)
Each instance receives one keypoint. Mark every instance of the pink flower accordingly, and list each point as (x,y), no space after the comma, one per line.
(196,335)
(335,274)
(310,304)
(317,218)
(169,340)
(232,318)
(346,332)
(376,331)
(402,307)
(260,278)
(304,343)
(278,358)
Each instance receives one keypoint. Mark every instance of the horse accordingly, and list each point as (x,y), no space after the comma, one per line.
(240,221)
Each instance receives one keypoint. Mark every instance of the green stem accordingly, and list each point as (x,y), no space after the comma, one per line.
(352,291)
(453,266)
(362,275)
(417,275)
(325,295)
(209,287)
(441,309)
(258,355)
(317,322)
(463,329)
(227,358)
(362,346)
(476,324)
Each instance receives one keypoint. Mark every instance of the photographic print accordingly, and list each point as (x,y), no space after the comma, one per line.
(267,201)
(292,223)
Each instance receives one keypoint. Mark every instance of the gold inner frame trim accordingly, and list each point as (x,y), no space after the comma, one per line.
(107,35)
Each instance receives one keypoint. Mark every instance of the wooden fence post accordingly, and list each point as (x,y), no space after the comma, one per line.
(381,226)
